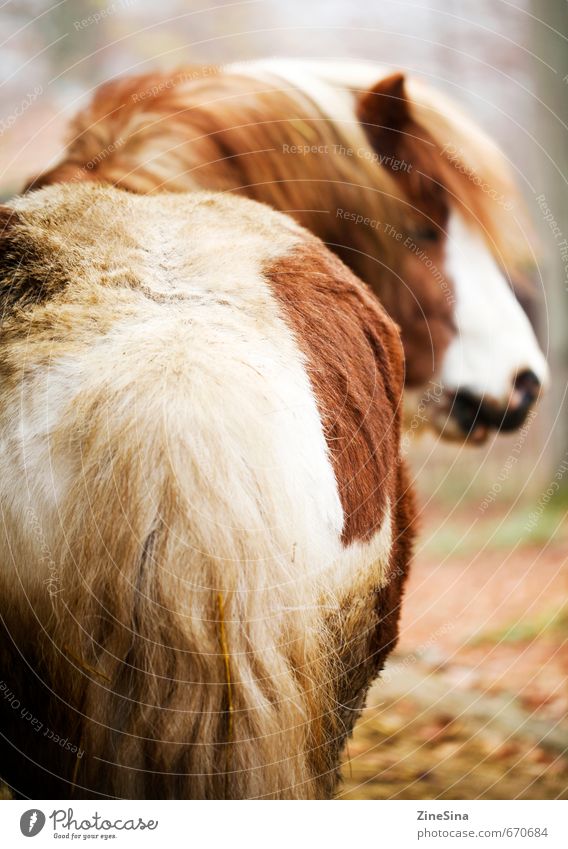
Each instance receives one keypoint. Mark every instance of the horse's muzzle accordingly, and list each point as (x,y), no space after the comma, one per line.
(477,416)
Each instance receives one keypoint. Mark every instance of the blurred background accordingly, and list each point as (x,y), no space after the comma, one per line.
(474,702)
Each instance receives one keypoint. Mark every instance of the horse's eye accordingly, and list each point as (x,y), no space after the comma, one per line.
(427,234)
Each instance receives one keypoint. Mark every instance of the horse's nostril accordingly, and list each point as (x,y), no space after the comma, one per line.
(474,414)
(466,409)
(526,389)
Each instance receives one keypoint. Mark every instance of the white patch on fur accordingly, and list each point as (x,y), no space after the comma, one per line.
(367,563)
(33,479)
(339,73)
(313,74)
(332,99)
(494,340)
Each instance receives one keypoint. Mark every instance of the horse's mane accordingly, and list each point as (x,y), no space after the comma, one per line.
(204,127)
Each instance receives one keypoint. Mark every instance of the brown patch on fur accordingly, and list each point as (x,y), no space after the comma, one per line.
(354,361)
(37,279)
(426,312)
(355,365)
(8,218)
(385,115)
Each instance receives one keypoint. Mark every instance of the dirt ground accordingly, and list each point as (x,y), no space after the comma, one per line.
(474,702)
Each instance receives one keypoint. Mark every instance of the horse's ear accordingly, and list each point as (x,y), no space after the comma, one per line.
(384,109)
(404,146)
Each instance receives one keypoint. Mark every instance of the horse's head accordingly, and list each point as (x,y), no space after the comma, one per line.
(458,312)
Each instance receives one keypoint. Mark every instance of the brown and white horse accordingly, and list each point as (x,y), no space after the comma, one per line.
(206,526)
(413,196)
